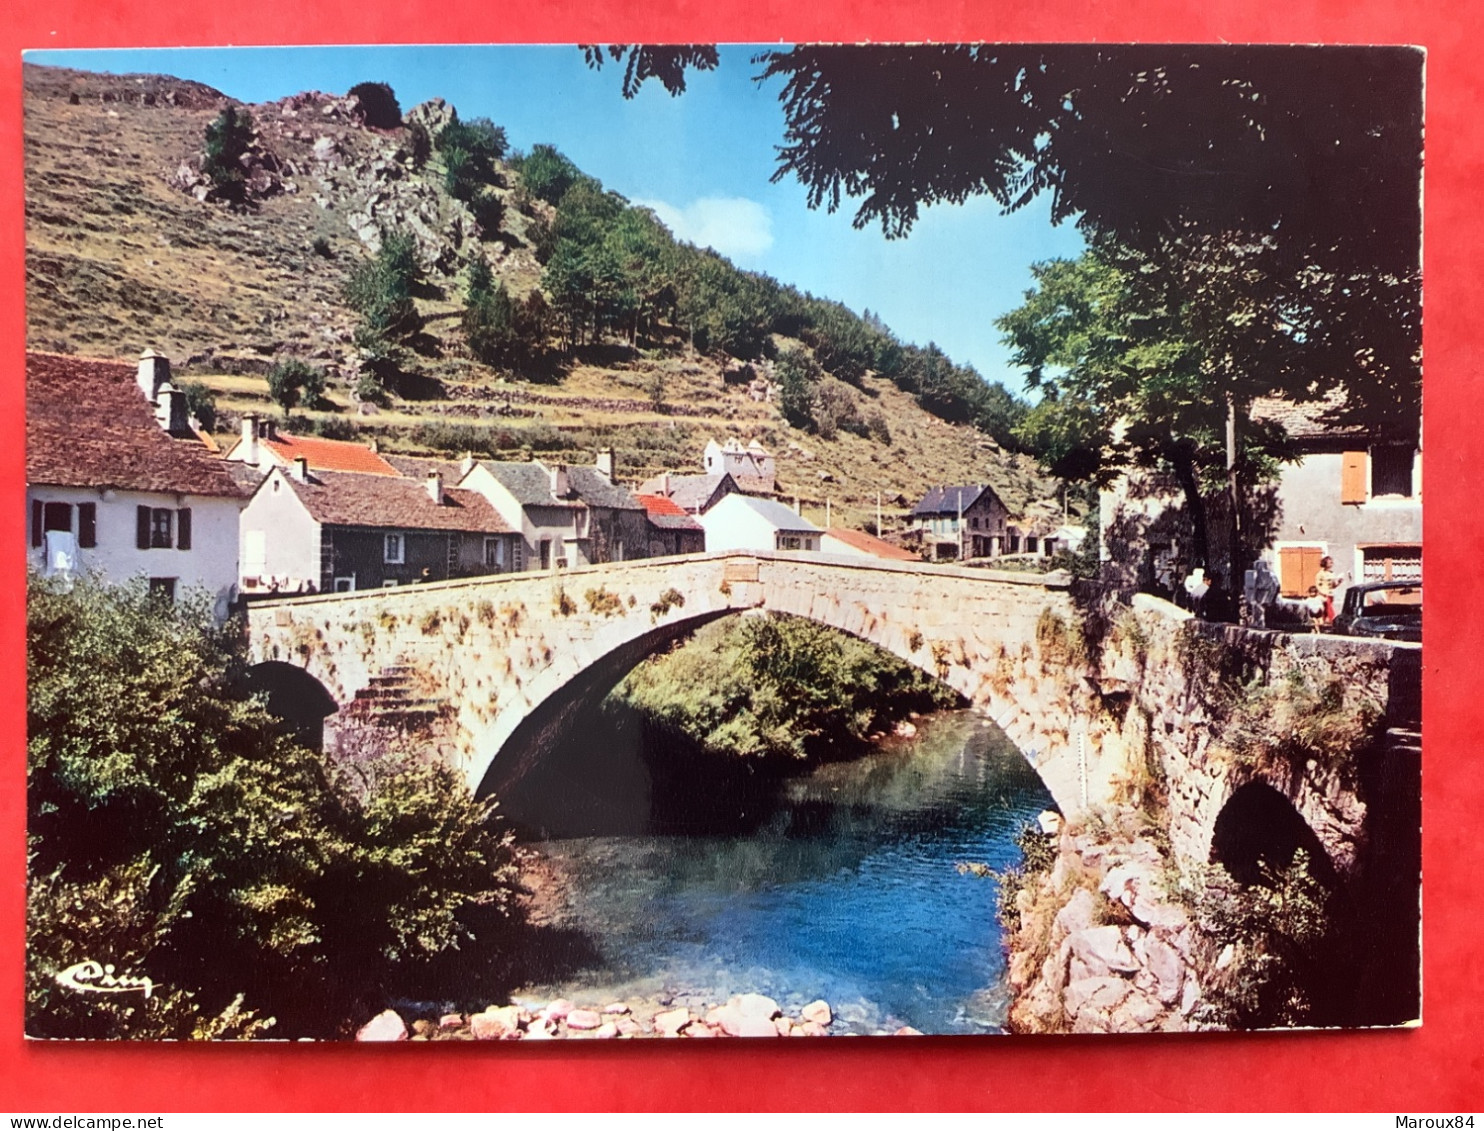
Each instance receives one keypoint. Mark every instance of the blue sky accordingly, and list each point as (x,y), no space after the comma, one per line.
(702,161)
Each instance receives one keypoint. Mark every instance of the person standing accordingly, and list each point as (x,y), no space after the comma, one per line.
(1326,581)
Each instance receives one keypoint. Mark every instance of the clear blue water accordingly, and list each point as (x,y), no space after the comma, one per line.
(848,890)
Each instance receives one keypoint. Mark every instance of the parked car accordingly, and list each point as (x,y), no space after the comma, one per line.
(1391,610)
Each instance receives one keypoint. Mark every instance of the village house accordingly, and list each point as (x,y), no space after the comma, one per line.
(262,446)
(954,523)
(741,522)
(566,516)
(119,483)
(730,468)
(671,530)
(859,544)
(337,531)
(1354,494)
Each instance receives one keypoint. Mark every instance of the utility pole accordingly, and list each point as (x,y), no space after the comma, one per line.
(1234,570)
(827,523)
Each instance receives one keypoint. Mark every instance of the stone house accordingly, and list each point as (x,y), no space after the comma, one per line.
(753,467)
(337,531)
(118,482)
(566,516)
(1354,493)
(671,530)
(741,522)
(958,522)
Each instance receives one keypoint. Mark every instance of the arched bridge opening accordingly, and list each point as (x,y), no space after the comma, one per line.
(582,763)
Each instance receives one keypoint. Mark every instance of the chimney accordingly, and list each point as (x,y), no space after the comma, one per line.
(561,482)
(797,511)
(665,485)
(177,414)
(250,438)
(154,371)
(299,469)
(605,464)
(466,465)
(435,487)
(371,443)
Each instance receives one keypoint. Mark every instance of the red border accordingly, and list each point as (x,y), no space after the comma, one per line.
(1436,1068)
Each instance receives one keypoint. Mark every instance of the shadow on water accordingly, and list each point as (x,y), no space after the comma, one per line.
(622,773)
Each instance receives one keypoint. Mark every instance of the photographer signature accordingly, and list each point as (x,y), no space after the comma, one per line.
(98,978)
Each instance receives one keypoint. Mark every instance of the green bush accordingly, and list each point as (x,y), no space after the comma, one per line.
(293,382)
(778,687)
(176,833)
(546,173)
(228,138)
(379,107)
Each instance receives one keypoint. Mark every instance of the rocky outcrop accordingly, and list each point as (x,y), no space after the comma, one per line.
(1101,947)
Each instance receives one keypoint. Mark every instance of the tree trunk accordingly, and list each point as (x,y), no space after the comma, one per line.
(1183,461)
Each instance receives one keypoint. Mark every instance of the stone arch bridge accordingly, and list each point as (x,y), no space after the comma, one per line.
(501,665)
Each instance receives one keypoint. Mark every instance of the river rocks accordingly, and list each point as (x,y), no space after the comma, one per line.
(818,1012)
(385,1026)
(746,1015)
(743,1015)
(496,1024)
(904,729)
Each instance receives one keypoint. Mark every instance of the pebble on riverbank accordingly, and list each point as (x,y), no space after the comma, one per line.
(743,1015)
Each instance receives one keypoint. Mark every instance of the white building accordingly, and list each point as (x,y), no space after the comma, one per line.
(742,522)
(119,483)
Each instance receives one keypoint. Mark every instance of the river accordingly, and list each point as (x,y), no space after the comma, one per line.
(844,885)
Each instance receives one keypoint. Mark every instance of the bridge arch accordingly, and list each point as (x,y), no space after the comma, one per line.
(512,655)
(296,697)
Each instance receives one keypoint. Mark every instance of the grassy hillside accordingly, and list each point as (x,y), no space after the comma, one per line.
(123,255)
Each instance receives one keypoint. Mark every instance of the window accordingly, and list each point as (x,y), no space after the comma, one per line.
(87,525)
(155,528)
(546,553)
(494,553)
(394,549)
(1391,563)
(345,584)
(162,587)
(790,542)
(1391,472)
(389,584)
(183,528)
(56,516)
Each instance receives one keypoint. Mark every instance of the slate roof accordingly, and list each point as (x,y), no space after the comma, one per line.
(594,489)
(870,544)
(346,498)
(950,500)
(690,493)
(328,455)
(529,482)
(779,516)
(666,514)
(88,425)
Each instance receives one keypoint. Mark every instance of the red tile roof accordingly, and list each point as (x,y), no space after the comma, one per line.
(328,455)
(344,498)
(872,545)
(88,425)
(667,514)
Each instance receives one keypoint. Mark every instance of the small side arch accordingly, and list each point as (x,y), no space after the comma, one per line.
(296,697)
(1258,832)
